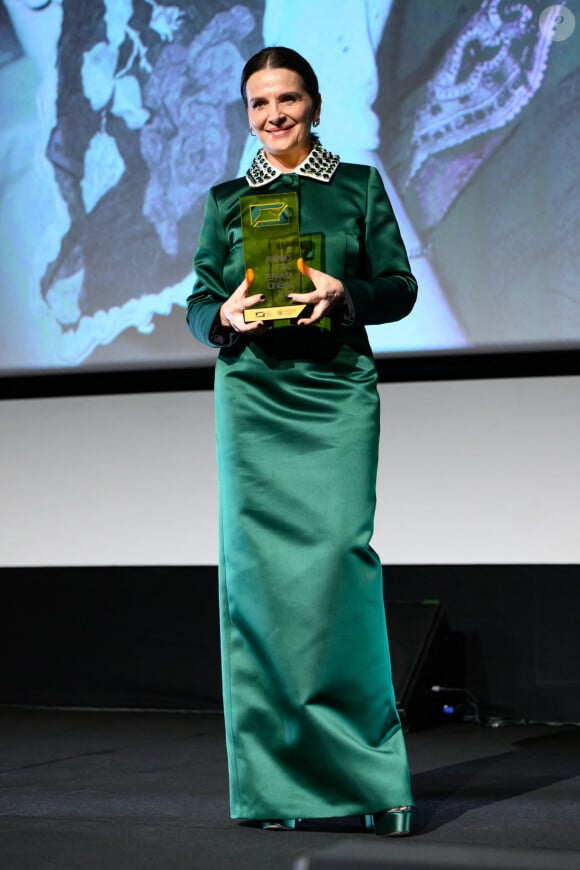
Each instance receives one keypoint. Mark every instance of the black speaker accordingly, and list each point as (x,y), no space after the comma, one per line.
(424,653)
(411,855)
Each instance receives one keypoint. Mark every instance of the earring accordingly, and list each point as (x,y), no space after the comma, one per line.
(252,131)
(316,122)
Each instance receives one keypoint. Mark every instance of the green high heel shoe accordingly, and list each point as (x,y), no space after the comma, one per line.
(393,823)
(279,825)
(368,822)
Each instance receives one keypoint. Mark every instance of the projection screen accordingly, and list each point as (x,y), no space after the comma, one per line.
(118,115)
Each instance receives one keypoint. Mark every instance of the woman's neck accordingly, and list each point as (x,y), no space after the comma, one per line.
(288,163)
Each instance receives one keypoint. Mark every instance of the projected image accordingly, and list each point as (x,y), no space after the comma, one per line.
(118,115)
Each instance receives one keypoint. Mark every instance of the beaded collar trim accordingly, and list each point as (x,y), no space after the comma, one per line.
(320,164)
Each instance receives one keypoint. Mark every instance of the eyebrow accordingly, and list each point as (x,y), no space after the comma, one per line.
(279,97)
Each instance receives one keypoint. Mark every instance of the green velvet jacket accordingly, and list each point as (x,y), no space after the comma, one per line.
(362,247)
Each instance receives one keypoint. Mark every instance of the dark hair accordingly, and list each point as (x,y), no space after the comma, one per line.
(278,57)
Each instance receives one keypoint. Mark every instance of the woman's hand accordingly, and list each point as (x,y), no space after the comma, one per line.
(327,295)
(232,311)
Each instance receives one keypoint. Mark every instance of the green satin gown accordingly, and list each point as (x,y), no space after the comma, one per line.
(311,724)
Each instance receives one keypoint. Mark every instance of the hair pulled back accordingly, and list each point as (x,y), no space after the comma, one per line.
(279,57)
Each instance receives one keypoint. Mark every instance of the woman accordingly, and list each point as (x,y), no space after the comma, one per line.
(311,724)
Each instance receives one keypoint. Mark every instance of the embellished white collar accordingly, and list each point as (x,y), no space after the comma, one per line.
(320,164)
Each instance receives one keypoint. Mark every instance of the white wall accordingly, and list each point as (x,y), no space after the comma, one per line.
(471,472)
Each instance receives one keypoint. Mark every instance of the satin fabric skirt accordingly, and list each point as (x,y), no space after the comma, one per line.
(311,725)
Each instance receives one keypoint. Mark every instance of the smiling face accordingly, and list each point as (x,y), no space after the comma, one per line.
(281,112)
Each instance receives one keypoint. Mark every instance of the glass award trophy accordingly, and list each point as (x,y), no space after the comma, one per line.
(271,237)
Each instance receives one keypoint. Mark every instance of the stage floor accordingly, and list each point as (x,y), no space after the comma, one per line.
(148,791)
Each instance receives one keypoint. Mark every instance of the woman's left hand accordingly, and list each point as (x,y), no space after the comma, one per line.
(327,295)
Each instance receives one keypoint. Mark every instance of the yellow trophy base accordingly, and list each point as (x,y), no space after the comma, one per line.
(284,312)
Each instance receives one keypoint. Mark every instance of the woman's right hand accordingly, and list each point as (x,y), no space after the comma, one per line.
(232,311)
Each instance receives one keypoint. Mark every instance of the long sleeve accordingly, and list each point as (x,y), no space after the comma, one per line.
(388,290)
(209,293)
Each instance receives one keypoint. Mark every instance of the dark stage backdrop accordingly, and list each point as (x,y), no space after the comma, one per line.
(148,637)
(118,115)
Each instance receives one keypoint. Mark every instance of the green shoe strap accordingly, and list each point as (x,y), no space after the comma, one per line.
(393,823)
